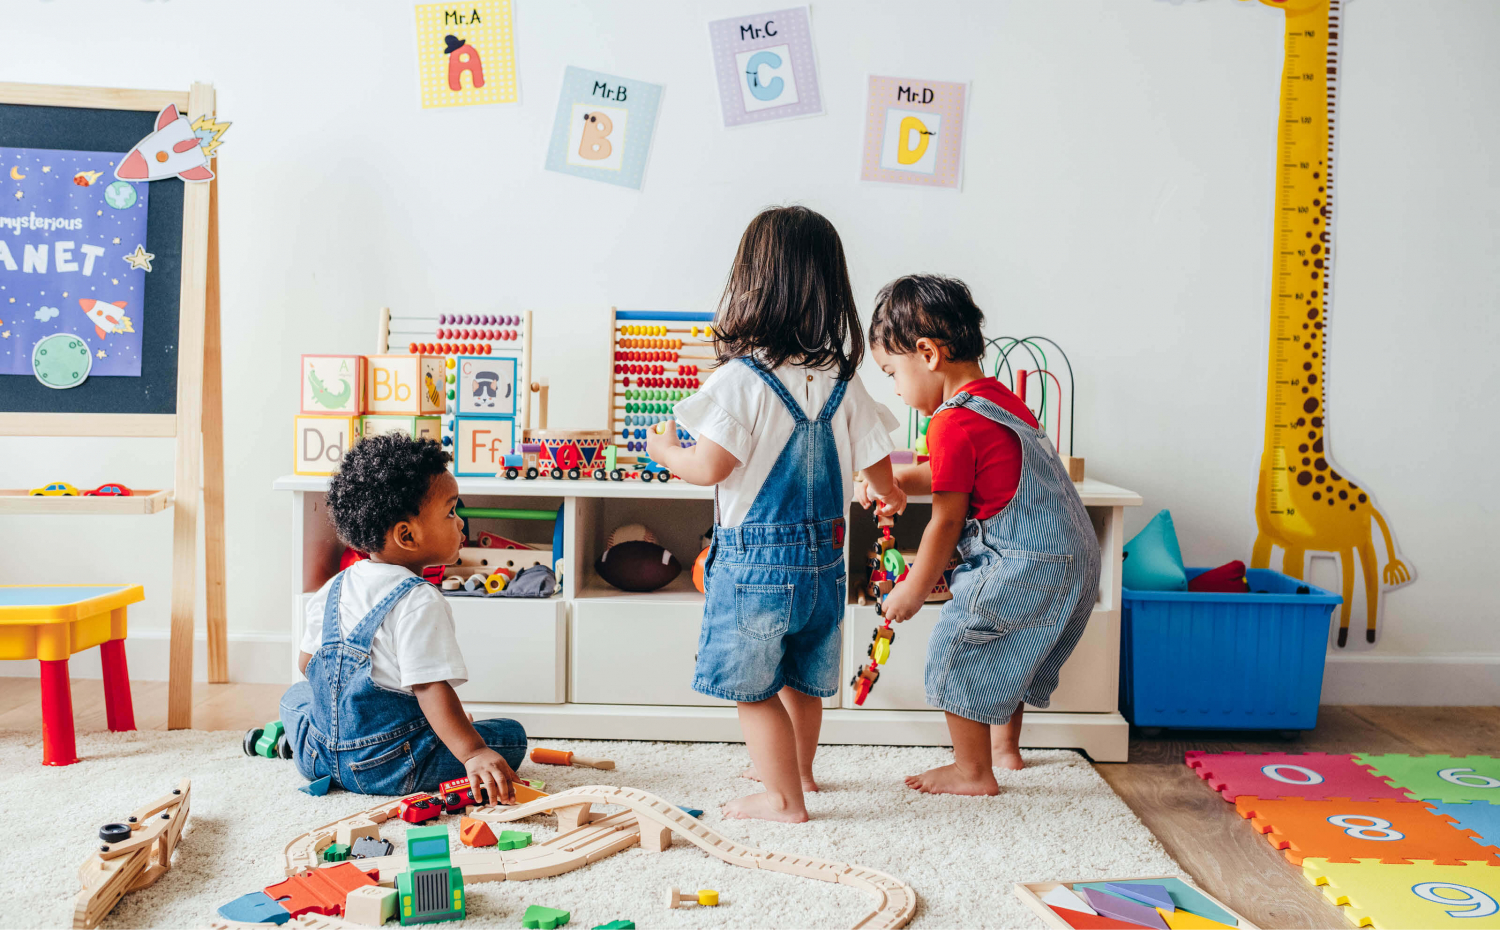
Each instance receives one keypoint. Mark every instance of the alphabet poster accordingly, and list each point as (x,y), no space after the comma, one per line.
(603,127)
(914,132)
(72,260)
(765,67)
(466,53)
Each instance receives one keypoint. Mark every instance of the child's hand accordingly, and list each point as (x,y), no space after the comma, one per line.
(902,603)
(894,501)
(661,445)
(488,770)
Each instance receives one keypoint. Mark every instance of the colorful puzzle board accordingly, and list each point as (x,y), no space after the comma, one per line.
(1400,841)
(1121,904)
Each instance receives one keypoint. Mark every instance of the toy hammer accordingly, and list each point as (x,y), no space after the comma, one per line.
(563,757)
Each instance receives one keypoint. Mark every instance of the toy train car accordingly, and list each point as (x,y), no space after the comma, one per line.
(574,453)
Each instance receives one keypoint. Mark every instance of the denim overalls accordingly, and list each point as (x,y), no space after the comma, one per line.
(1022,595)
(775,583)
(372,740)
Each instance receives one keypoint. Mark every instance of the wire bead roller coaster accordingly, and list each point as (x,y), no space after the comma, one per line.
(1004,346)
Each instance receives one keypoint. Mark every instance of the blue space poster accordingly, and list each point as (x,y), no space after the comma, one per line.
(66,228)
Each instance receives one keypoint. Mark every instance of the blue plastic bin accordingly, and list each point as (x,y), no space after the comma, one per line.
(1225,661)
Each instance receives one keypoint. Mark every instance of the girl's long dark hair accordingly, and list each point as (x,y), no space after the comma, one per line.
(788,297)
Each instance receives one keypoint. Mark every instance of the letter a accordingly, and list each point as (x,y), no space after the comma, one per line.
(464,58)
(904,154)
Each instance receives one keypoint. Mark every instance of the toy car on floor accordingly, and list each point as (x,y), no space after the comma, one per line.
(269,741)
(420,808)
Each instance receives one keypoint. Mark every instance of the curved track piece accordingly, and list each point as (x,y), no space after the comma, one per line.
(585,836)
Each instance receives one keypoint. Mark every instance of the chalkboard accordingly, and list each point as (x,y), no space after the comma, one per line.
(155,391)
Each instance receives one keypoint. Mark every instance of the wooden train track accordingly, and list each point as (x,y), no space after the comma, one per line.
(585,835)
(116,869)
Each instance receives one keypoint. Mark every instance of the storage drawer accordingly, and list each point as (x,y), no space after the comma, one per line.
(514,649)
(1088,683)
(636,649)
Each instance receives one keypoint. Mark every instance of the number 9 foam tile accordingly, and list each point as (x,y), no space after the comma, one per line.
(1310,775)
(1347,831)
(1454,779)
(1419,895)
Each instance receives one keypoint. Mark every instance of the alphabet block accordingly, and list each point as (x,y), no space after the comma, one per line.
(371,905)
(404,384)
(487,386)
(415,427)
(480,445)
(320,442)
(333,384)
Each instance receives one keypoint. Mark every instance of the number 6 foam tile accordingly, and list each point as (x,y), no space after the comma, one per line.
(1309,775)
(1422,894)
(1454,779)
(1347,831)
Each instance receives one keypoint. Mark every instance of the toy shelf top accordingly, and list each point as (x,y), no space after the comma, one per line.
(19,500)
(1094,493)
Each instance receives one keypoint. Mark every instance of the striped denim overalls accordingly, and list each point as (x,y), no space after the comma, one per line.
(1028,579)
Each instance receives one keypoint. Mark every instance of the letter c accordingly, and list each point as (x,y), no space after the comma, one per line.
(752,74)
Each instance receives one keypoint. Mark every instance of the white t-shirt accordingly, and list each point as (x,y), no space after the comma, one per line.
(740,412)
(415,645)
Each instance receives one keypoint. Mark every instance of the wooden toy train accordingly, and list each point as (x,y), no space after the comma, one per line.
(574,453)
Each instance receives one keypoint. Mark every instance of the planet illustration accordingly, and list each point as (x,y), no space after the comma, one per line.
(120,195)
(61,360)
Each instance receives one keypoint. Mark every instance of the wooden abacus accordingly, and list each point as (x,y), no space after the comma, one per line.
(505,335)
(657,361)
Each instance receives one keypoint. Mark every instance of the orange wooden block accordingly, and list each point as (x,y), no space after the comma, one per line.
(473,832)
(319,891)
(1394,832)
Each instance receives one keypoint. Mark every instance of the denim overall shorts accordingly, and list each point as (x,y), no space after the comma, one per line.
(775,583)
(1022,595)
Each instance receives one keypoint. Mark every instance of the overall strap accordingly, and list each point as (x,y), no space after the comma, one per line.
(361,635)
(987,409)
(778,389)
(333,632)
(831,406)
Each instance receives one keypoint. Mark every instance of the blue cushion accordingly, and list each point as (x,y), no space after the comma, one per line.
(1152,560)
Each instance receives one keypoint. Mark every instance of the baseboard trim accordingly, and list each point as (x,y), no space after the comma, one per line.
(1426,681)
(260,658)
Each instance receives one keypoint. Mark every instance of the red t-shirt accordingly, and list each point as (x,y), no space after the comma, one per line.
(974,455)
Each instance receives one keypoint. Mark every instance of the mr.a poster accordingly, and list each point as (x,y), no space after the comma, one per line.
(73,258)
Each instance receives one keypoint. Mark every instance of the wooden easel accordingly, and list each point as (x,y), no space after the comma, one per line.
(197,425)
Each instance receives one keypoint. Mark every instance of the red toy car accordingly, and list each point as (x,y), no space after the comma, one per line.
(420,808)
(456,795)
(109,490)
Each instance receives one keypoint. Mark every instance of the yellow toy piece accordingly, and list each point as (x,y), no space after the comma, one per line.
(708,897)
(55,489)
(1418,895)
(495,583)
(1186,920)
(880,651)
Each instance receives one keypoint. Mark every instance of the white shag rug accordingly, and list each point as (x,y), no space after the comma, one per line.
(1057,820)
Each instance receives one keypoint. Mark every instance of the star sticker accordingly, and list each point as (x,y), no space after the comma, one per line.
(6,334)
(18,195)
(140,258)
(46,168)
(100,353)
(117,240)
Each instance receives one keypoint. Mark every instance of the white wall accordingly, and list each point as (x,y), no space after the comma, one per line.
(1117,198)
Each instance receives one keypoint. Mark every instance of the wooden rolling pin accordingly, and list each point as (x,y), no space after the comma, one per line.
(563,757)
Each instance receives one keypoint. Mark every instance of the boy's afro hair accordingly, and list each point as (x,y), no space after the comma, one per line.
(381,481)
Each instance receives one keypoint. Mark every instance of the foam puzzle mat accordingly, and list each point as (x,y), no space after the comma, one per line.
(1397,841)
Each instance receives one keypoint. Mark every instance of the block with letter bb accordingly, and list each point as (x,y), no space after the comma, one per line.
(333,385)
(480,445)
(320,443)
(486,386)
(404,384)
(415,427)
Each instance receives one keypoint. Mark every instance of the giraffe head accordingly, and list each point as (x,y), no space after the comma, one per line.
(1297,6)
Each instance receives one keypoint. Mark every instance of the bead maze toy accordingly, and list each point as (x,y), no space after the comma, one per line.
(659,357)
(133,855)
(1004,346)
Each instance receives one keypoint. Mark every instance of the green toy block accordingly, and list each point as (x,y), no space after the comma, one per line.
(617,925)
(544,918)
(513,839)
(269,737)
(337,852)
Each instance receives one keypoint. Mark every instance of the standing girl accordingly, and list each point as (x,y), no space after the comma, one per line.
(782,426)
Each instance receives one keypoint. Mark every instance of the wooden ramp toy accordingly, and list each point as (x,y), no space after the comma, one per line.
(132,855)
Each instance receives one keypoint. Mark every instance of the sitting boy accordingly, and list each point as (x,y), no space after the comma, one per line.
(377,710)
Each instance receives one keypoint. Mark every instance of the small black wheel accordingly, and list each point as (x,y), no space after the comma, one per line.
(512,473)
(574,474)
(284,747)
(251,736)
(647,476)
(114,832)
(557,474)
(617,475)
(450,801)
(600,475)
(531,473)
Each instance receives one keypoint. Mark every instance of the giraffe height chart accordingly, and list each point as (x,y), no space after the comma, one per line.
(1303,502)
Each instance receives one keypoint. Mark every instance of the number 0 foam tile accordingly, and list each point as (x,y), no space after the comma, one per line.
(1453,779)
(1309,775)
(1419,895)
(1347,831)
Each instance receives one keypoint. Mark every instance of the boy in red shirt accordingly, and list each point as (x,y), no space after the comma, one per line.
(1029,560)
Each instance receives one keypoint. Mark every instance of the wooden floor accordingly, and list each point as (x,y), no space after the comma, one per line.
(1197,827)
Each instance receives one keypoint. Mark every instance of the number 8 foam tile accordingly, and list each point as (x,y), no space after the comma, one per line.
(1454,779)
(1419,895)
(1347,831)
(1310,775)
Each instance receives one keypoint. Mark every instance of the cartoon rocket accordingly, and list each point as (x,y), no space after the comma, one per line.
(172,150)
(106,317)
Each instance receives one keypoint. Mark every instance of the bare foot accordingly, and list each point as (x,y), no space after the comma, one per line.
(1008,759)
(949,779)
(807,781)
(764,806)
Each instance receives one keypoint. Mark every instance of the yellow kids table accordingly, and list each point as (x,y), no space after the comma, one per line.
(50,623)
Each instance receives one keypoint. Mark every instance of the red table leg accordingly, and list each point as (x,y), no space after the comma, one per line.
(118,708)
(58,746)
